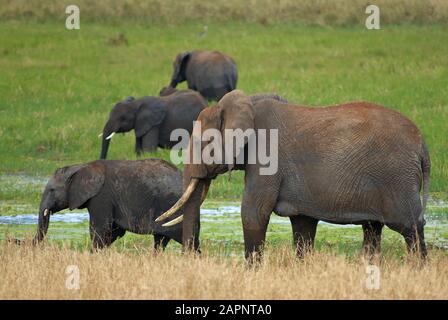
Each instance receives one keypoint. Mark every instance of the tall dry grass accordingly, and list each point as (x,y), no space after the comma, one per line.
(315,12)
(39,273)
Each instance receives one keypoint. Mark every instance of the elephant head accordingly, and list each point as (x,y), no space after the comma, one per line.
(69,187)
(234,111)
(179,67)
(140,115)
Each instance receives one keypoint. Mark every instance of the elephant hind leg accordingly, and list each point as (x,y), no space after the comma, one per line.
(117,232)
(372,238)
(304,232)
(414,238)
(103,237)
(415,241)
(406,210)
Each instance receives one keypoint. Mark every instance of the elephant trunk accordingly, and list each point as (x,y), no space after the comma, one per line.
(108,132)
(44,221)
(173,83)
(104,148)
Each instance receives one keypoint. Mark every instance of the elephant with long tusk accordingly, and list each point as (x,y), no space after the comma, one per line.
(354,163)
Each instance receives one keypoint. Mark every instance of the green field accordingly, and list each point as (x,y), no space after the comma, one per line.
(58,86)
(223,236)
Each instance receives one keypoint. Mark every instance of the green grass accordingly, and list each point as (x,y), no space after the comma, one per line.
(223,236)
(58,86)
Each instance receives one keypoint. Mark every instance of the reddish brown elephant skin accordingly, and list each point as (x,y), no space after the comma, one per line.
(356,162)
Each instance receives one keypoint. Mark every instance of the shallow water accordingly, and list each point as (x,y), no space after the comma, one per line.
(221,213)
(71,217)
(221,219)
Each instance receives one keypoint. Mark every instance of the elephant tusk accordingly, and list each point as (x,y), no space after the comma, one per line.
(100,135)
(180,203)
(173,222)
(46,212)
(110,136)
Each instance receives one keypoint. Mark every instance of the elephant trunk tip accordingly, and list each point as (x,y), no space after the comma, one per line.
(173,84)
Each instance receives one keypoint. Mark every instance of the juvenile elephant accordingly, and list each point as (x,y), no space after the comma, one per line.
(211,73)
(153,119)
(354,163)
(119,195)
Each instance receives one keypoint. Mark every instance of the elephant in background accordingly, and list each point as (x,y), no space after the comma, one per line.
(211,73)
(119,195)
(354,163)
(153,119)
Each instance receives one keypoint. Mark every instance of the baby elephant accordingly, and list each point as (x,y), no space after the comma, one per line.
(119,195)
(153,119)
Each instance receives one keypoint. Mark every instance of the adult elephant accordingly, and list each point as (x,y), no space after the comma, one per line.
(119,195)
(354,163)
(153,119)
(211,73)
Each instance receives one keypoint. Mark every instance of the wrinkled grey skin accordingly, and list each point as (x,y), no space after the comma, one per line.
(153,119)
(355,163)
(119,195)
(211,73)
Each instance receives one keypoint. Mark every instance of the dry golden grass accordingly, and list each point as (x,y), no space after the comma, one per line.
(39,273)
(315,12)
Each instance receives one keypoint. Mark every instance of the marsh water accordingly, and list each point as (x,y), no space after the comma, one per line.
(221,219)
(223,210)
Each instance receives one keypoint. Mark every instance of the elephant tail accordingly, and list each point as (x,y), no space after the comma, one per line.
(426,169)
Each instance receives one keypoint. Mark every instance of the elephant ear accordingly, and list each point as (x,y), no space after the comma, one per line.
(66,173)
(180,65)
(150,114)
(237,112)
(85,184)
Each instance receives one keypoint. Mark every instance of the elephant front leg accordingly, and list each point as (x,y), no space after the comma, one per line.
(255,222)
(160,242)
(304,232)
(147,142)
(150,140)
(100,236)
(102,229)
(138,146)
(372,238)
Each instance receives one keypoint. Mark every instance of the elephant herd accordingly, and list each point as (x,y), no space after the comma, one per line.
(352,163)
(209,75)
